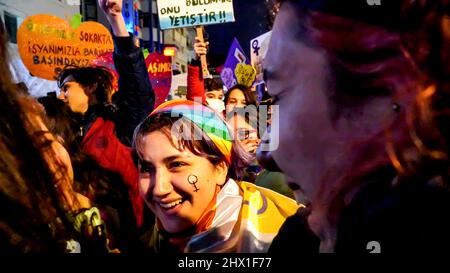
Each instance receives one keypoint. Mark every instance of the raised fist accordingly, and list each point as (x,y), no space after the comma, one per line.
(111,8)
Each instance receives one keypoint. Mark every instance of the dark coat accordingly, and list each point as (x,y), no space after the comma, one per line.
(108,130)
(410,217)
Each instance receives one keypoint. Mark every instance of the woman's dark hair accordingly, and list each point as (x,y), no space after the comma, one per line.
(32,218)
(97,76)
(62,122)
(205,147)
(106,189)
(213,84)
(249,95)
(411,65)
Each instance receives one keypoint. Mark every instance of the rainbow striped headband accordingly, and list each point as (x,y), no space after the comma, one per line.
(205,118)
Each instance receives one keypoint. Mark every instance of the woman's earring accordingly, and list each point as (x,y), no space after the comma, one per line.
(396,107)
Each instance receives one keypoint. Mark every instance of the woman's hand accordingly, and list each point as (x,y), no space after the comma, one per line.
(72,200)
(200,48)
(83,201)
(111,8)
(113,12)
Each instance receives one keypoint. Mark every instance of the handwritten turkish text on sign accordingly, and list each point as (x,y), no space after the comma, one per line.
(188,13)
(48,43)
(159,69)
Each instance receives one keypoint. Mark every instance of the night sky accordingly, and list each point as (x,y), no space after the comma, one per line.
(251,21)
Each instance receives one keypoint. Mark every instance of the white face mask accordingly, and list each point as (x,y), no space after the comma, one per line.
(216,104)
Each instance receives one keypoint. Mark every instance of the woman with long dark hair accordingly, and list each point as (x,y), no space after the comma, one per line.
(41,211)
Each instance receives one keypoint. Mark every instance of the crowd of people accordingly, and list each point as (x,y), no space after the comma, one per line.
(358,161)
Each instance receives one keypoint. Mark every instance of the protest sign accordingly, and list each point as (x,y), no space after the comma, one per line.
(160,72)
(159,69)
(258,50)
(48,43)
(237,68)
(189,13)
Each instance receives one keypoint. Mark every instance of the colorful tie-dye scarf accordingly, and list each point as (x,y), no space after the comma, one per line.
(205,118)
(246,219)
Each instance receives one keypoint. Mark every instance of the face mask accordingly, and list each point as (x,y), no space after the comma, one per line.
(216,104)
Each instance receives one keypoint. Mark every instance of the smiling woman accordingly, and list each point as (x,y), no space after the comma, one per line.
(189,176)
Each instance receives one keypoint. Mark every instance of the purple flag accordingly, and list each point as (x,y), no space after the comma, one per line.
(235,56)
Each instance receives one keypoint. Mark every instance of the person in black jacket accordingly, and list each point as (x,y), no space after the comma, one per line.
(107,121)
(363,123)
(86,89)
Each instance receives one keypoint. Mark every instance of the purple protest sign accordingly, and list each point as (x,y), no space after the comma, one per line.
(237,68)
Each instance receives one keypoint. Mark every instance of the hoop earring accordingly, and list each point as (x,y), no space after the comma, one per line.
(396,107)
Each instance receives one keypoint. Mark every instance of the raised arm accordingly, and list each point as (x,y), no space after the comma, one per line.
(195,83)
(135,98)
